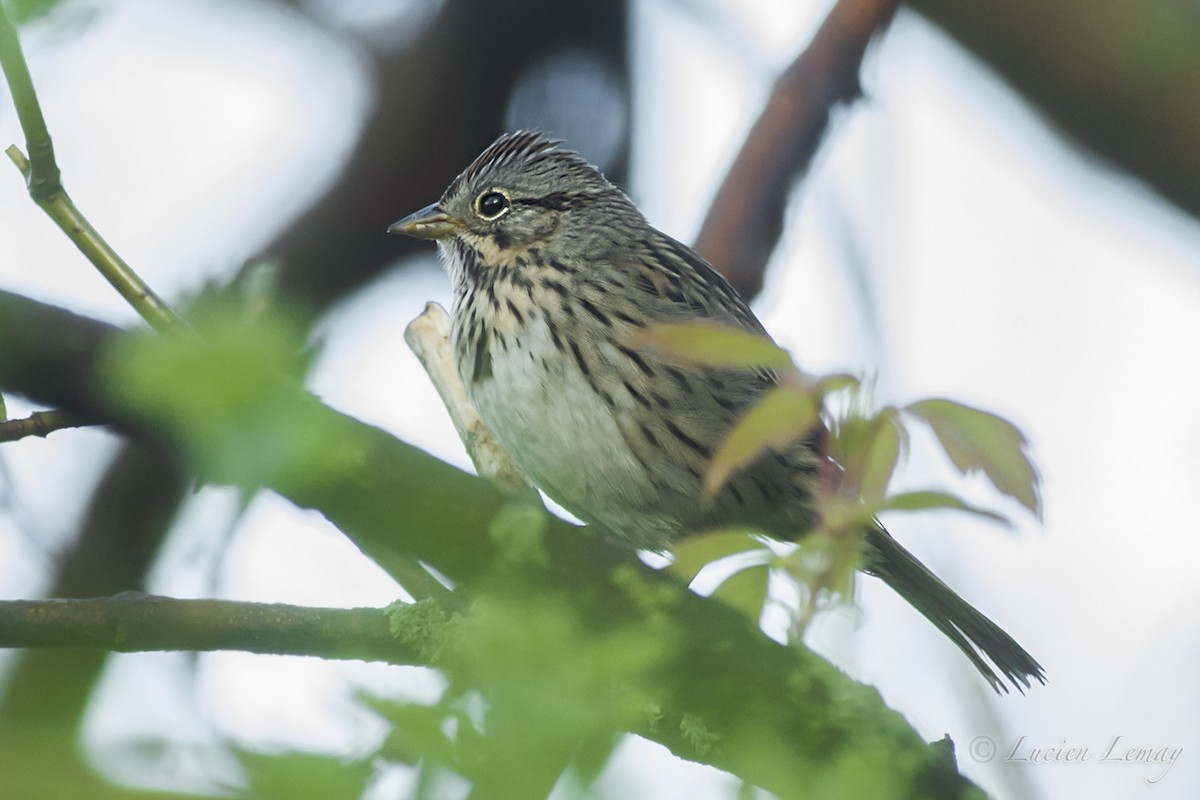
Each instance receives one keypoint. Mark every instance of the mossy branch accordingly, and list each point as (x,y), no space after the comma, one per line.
(134,623)
(782,716)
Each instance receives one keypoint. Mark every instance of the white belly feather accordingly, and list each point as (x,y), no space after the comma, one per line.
(565,438)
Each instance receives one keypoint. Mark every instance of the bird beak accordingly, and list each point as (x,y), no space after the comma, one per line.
(428,223)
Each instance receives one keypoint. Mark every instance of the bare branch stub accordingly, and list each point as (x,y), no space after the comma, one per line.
(745,219)
(39,423)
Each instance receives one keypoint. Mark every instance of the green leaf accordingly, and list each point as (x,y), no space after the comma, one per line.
(836,382)
(694,552)
(746,590)
(881,457)
(295,774)
(824,565)
(980,440)
(550,680)
(927,500)
(783,415)
(3,409)
(711,345)
(842,513)
(229,389)
(417,731)
(868,448)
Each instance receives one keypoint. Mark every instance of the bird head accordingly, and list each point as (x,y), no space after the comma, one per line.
(521,190)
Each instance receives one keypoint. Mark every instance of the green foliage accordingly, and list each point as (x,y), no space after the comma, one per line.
(692,553)
(710,345)
(863,446)
(867,446)
(517,531)
(538,680)
(286,776)
(420,732)
(784,415)
(746,588)
(533,691)
(979,440)
(929,500)
(553,645)
(228,388)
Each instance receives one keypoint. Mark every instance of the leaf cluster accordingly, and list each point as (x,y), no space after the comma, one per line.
(862,446)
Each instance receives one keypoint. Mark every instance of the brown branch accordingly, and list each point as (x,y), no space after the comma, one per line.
(133,622)
(745,219)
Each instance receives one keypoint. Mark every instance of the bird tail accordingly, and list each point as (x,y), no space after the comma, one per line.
(976,635)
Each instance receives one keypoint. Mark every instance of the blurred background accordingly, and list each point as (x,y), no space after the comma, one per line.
(950,239)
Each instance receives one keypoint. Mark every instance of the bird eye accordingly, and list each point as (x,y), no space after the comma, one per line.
(491,204)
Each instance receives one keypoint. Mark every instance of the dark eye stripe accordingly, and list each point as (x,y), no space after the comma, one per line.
(556,201)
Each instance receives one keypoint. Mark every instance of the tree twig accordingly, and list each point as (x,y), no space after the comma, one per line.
(43,176)
(45,187)
(39,423)
(745,219)
(132,622)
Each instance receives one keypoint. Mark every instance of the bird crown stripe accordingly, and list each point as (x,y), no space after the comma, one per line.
(530,147)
